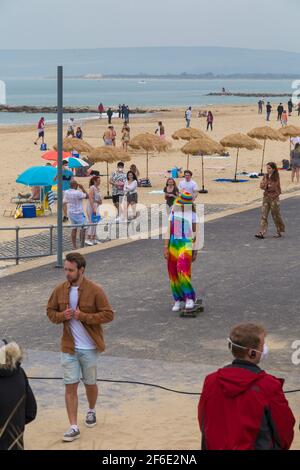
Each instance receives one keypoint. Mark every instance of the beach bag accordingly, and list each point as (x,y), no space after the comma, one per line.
(95,218)
(43,147)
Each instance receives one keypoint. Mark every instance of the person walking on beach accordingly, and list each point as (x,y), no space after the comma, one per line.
(70,130)
(280,110)
(41,131)
(188,117)
(160,130)
(295,162)
(130,198)
(92,209)
(109,136)
(17,402)
(67,177)
(180,251)
(109,115)
(73,197)
(126,113)
(123,111)
(125,136)
(290,107)
(209,120)
(120,111)
(260,106)
(100,110)
(188,185)
(284,118)
(117,181)
(171,192)
(82,307)
(242,407)
(269,110)
(272,190)
(298,109)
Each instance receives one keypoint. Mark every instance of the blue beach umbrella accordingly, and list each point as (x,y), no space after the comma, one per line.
(38,176)
(74,162)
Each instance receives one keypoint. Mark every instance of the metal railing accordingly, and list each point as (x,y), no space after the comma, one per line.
(17,256)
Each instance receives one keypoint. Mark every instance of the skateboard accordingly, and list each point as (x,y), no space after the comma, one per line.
(193,313)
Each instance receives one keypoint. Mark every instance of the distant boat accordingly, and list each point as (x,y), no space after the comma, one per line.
(142,82)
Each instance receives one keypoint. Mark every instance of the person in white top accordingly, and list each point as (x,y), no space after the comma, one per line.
(92,209)
(73,197)
(188,185)
(188,117)
(130,194)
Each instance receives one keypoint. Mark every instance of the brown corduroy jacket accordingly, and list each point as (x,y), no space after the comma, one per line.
(94,307)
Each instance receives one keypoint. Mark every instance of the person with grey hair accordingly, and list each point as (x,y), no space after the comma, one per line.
(17,402)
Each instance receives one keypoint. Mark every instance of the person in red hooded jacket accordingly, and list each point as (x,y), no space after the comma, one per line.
(241,406)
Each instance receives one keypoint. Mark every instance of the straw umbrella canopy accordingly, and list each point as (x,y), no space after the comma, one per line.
(108,154)
(290,131)
(188,134)
(80,145)
(203,146)
(265,133)
(148,142)
(239,141)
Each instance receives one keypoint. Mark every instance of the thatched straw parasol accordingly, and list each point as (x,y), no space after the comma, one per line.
(203,146)
(70,144)
(188,134)
(265,133)
(149,142)
(290,131)
(108,155)
(239,141)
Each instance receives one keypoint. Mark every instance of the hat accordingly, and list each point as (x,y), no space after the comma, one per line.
(184,198)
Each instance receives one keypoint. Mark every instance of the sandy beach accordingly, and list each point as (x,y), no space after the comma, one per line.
(18,153)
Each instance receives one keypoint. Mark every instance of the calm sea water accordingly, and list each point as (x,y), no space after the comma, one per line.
(148,93)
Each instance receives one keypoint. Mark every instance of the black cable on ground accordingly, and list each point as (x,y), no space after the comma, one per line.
(145,384)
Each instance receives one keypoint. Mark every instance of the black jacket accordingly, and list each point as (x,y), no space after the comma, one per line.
(17,405)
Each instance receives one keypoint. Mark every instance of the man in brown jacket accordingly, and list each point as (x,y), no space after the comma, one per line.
(82,307)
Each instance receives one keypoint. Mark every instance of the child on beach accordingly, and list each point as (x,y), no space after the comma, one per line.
(284,119)
(180,251)
(272,190)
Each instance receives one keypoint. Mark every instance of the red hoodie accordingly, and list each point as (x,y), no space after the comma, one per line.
(244,408)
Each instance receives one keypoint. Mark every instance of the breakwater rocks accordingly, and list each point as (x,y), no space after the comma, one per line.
(70,109)
(251,95)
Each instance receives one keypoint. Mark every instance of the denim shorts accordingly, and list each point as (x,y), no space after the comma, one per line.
(83,362)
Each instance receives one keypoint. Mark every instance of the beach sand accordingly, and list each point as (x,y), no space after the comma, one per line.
(18,153)
(167,421)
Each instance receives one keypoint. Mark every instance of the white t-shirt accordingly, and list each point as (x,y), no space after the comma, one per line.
(130,188)
(188,186)
(81,337)
(74,197)
(188,114)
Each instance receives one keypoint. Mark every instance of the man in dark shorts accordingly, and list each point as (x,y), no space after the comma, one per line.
(117,180)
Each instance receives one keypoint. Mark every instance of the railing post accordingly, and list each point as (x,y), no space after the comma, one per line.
(17,245)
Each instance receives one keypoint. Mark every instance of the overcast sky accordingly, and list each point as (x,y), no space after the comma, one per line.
(65,24)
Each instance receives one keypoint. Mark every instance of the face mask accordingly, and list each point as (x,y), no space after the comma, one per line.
(263,354)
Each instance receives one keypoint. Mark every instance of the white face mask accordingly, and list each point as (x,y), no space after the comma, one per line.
(263,354)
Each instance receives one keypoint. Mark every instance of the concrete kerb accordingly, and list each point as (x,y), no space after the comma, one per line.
(111,244)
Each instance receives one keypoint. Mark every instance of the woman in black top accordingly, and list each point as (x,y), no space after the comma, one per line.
(171,192)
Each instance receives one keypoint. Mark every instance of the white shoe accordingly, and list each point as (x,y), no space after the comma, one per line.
(189,304)
(176,306)
(117,219)
(89,242)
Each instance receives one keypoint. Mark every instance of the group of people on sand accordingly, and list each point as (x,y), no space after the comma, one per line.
(282,112)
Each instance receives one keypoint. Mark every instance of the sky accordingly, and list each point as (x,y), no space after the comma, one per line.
(68,24)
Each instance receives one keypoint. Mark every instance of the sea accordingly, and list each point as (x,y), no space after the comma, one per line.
(145,93)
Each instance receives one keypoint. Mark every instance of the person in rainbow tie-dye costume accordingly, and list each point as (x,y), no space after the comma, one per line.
(180,251)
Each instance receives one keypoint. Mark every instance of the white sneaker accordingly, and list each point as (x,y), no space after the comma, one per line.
(189,304)
(177,306)
(89,242)
(117,219)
